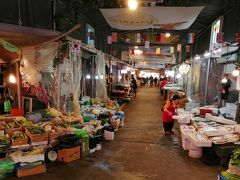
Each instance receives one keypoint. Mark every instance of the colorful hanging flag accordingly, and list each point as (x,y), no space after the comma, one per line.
(220,37)
(188,48)
(147,44)
(158,50)
(138,38)
(179,48)
(114,36)
(109,39)
(190,38)
(76,46)
(237,37)
(171,50)
(144,37)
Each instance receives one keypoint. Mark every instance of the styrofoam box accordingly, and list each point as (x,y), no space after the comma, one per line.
(199,140)
(34,158)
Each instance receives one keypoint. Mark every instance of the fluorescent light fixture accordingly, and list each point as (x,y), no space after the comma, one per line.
(124,71)
(96,77)
(207,54)
(137,52)
(132,4)
(88,76)
(101,76)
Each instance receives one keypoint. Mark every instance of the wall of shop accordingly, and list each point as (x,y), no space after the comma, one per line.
(37,13)
(202,42)
(231,24)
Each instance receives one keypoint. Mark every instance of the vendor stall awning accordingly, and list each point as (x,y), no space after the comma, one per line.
(26,36)
(8,51)
(168,18)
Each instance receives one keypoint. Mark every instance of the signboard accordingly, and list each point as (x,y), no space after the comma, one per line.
(216,28)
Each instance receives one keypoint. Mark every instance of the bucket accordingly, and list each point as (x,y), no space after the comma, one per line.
(195,152)
(108,135)
(185,143)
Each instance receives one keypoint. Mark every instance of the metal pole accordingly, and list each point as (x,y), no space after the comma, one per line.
(207,80)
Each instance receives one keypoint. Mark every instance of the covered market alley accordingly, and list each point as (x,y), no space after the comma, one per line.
(140,150)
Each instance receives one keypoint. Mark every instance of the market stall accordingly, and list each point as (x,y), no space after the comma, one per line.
(206,134)
(28,143)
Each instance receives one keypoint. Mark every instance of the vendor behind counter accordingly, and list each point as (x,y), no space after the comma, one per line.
(5,99)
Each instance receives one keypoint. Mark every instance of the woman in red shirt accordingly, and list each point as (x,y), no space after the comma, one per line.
(169,110)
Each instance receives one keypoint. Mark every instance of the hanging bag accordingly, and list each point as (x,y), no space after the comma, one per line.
(7,106)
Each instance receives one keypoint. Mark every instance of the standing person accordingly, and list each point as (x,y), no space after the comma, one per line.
(151,81)
(225,90)
(162,84)
(169,109)
(4,97)
(155,81)
(133,85)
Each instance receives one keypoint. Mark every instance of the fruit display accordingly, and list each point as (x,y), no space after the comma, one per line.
(36,130)
(11,125)
(19,138)
(18,135)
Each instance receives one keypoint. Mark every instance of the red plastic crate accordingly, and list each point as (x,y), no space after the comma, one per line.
(17,112)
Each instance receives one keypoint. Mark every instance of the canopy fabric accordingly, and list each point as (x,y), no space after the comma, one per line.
(22,36)
(168,18)
(9,52)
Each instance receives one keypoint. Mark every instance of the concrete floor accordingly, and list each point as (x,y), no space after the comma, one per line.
(140,151)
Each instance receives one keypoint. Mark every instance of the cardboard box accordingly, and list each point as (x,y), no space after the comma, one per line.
(29,172)
(69,155)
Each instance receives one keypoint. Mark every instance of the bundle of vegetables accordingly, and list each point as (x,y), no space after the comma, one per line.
(11,125)
(6,168)
(4,144)
(53,112)
(23,122)
(36,130)
(35,151)
(229,176)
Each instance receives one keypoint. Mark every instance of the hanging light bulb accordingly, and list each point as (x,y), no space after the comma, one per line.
(235,72)
(132,4)
(224,80)
(167,35)
(88,76)
(12,78)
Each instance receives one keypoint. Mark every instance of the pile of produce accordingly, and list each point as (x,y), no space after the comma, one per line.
(18,135)
(233,172)
(36,130)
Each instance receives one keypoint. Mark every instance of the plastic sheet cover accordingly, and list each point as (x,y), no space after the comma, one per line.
(101,89)
(36,61)
(70,74)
